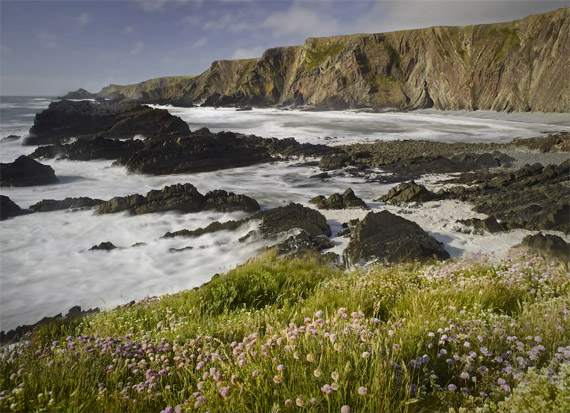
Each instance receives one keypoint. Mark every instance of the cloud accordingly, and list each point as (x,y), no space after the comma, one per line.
(248,53)
(228,22)
(302,21)
(129,29)
(138,47)
(159,5)
(83,19)
(48,40)
(199,43)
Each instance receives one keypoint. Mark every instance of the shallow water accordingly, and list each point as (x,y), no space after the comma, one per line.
(45,267)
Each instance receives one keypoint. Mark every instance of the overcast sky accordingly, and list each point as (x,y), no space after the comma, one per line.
(49,47)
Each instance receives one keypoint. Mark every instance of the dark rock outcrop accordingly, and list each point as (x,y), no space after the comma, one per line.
(184,198)
(10,138)
(24,171)
(8,208)
(489,224)
(79,94)
(552,245)
(213,227)
(334,161)
(47,205)
(337,201)
(67,119)
(281,219)
(104,246)
(88,149)
(407,192)
(300,242)
(387,237)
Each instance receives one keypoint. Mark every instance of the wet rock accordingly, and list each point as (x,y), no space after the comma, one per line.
(489,224)
(277,220)
(10,138)
(387,237)
(337,201)
(554,143)
(334,161)
(180,249)
(300,242)
(47,205)
(8,208)
(24,171)
(104,246)
(184,198)
(88,149)
(66,119)
(552,245)
(213,227)
(407,192)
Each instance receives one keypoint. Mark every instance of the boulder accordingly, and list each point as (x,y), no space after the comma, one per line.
(387,237)
(337,201)
(281,219)
(67,119)
(213,227)
(180,197)
(8,208)
(88,149)
(10,138)
(299,242)
(407,192)
(552,245)
(489,224)
(47,205)
(334,161)
(104,246)
(24,171)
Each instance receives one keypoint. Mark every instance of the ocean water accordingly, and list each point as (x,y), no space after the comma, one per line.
(45,265)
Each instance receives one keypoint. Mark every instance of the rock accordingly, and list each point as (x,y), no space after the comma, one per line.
(47,205)
(334,161)
(104,246)
(552,245)
(184,198)
(24,171)
(67,119)
(300,242)
(488,224)
(387,237)
(407,192)
(88,149)
(559,142)
(8,208)
(78,95)
(213,227)
(10,138)
(180,249)
(223,201)
(337,201)
(281,219)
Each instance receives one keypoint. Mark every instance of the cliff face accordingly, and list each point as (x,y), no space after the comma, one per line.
(158,89)
(516,66)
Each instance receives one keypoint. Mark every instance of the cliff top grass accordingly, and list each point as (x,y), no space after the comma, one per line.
(297,335)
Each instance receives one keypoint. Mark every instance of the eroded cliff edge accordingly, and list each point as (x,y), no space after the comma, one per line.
(516,66)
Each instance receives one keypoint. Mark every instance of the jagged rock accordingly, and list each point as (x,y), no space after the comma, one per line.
(407,192)
(180,249)
(387,237)
(10,138)
(559,142)
(552,245)
(285,218)
(79,94)
(104,246)
(67,119)
(488,224)
(184,198)
(47,205)
(8,208)
(24,171)
(334,161)
(337,201)
(223,201)
(213,227)
(300,242)
(88,149)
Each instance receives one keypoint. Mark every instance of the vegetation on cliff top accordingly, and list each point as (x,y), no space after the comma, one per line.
(284,335)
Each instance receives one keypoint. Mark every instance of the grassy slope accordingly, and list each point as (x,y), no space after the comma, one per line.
(280,335)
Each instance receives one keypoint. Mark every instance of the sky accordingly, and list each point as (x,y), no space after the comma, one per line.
(49,47)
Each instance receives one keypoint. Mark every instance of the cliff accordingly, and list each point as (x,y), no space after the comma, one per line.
(155,90)
(515,66)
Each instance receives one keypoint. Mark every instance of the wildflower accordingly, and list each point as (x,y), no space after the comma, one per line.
(280,367)
(464,375)
(310,358)
(277,379)
(313,401)
(255,373)
(345,409)
(300,402)
(288,402)
(225,391)
(333,338)
(326,389)
(335,376)
(200,385)
(334,386)
(296,355)
(452,387)
(365,355)
(317,373)
(199,365)
(362,391)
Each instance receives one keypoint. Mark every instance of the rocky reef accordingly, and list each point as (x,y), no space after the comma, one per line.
(24,171)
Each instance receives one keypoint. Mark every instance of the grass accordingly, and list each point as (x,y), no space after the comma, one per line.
(284,335)
(321,53)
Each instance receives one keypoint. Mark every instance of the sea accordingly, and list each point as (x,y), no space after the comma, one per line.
(45,263)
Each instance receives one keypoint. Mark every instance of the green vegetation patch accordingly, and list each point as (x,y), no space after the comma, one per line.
(321,53)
